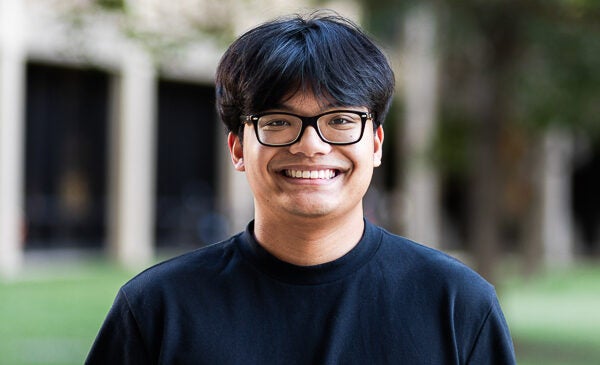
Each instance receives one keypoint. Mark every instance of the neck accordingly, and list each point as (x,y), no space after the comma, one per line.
(306,241)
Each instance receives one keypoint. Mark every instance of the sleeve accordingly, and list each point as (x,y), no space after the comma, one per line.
(493,344)
(119,340)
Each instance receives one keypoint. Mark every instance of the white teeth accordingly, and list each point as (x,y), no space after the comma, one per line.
(310,174)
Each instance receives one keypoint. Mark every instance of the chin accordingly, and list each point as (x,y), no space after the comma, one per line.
(314,211)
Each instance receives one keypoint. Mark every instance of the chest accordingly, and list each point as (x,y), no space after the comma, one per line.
(266,322)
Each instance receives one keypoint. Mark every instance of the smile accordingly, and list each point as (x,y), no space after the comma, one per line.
(311,174)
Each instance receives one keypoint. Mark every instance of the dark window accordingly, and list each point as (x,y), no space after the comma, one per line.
(186,173)
(586,201)
(65,167)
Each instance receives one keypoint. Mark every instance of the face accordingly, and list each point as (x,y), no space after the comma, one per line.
(309,178)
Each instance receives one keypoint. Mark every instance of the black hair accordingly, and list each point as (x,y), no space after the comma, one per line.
(323,53)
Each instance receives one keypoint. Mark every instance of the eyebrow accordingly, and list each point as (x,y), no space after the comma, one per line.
(324,108)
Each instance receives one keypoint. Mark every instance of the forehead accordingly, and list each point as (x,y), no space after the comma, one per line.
(306,103)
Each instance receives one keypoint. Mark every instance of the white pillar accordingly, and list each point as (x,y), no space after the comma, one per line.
(12,76)
(133,152)
(557,219)
(420,73)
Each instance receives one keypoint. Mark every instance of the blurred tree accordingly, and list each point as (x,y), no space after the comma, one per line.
(162,28)
(509,69)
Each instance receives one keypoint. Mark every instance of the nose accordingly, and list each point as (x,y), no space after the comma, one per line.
(310,144)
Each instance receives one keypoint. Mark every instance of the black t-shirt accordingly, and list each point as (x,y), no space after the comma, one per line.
(388,301)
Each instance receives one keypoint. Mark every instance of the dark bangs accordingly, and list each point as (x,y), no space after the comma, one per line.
(328,56)
(339,67)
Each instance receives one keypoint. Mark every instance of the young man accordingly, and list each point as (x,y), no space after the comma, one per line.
(309,281)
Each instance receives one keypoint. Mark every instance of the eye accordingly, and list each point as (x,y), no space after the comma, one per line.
(274,123)
(340,120)
(278,123)
(343,121)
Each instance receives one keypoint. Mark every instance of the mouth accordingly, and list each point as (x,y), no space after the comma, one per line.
(325,174)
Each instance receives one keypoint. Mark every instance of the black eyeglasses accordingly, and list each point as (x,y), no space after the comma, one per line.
(338,127)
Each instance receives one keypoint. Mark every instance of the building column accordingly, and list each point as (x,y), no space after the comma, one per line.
(557,226)
(133,160)
(420,85)
(12,79)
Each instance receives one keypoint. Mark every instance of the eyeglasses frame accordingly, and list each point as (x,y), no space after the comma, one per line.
(312,122)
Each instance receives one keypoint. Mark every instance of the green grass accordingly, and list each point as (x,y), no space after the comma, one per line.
(51,315)
(555,317)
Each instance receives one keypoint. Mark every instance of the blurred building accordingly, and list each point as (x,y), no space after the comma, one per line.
(109,137)
(108,131)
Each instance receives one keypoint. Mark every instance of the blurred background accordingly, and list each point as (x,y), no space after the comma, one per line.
(112,157)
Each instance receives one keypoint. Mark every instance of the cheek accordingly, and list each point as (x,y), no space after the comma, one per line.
(364,164)
(364,155)
(257,158)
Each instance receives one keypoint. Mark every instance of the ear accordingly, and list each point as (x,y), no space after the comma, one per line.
(377,146)
(236,151)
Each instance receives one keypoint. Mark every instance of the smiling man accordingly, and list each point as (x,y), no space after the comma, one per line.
(312,178)
(310,280)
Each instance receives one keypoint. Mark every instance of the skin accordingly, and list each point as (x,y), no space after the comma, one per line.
(300,220)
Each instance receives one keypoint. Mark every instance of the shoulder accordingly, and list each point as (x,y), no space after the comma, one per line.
(429,281)
(198,266)
(432,270)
